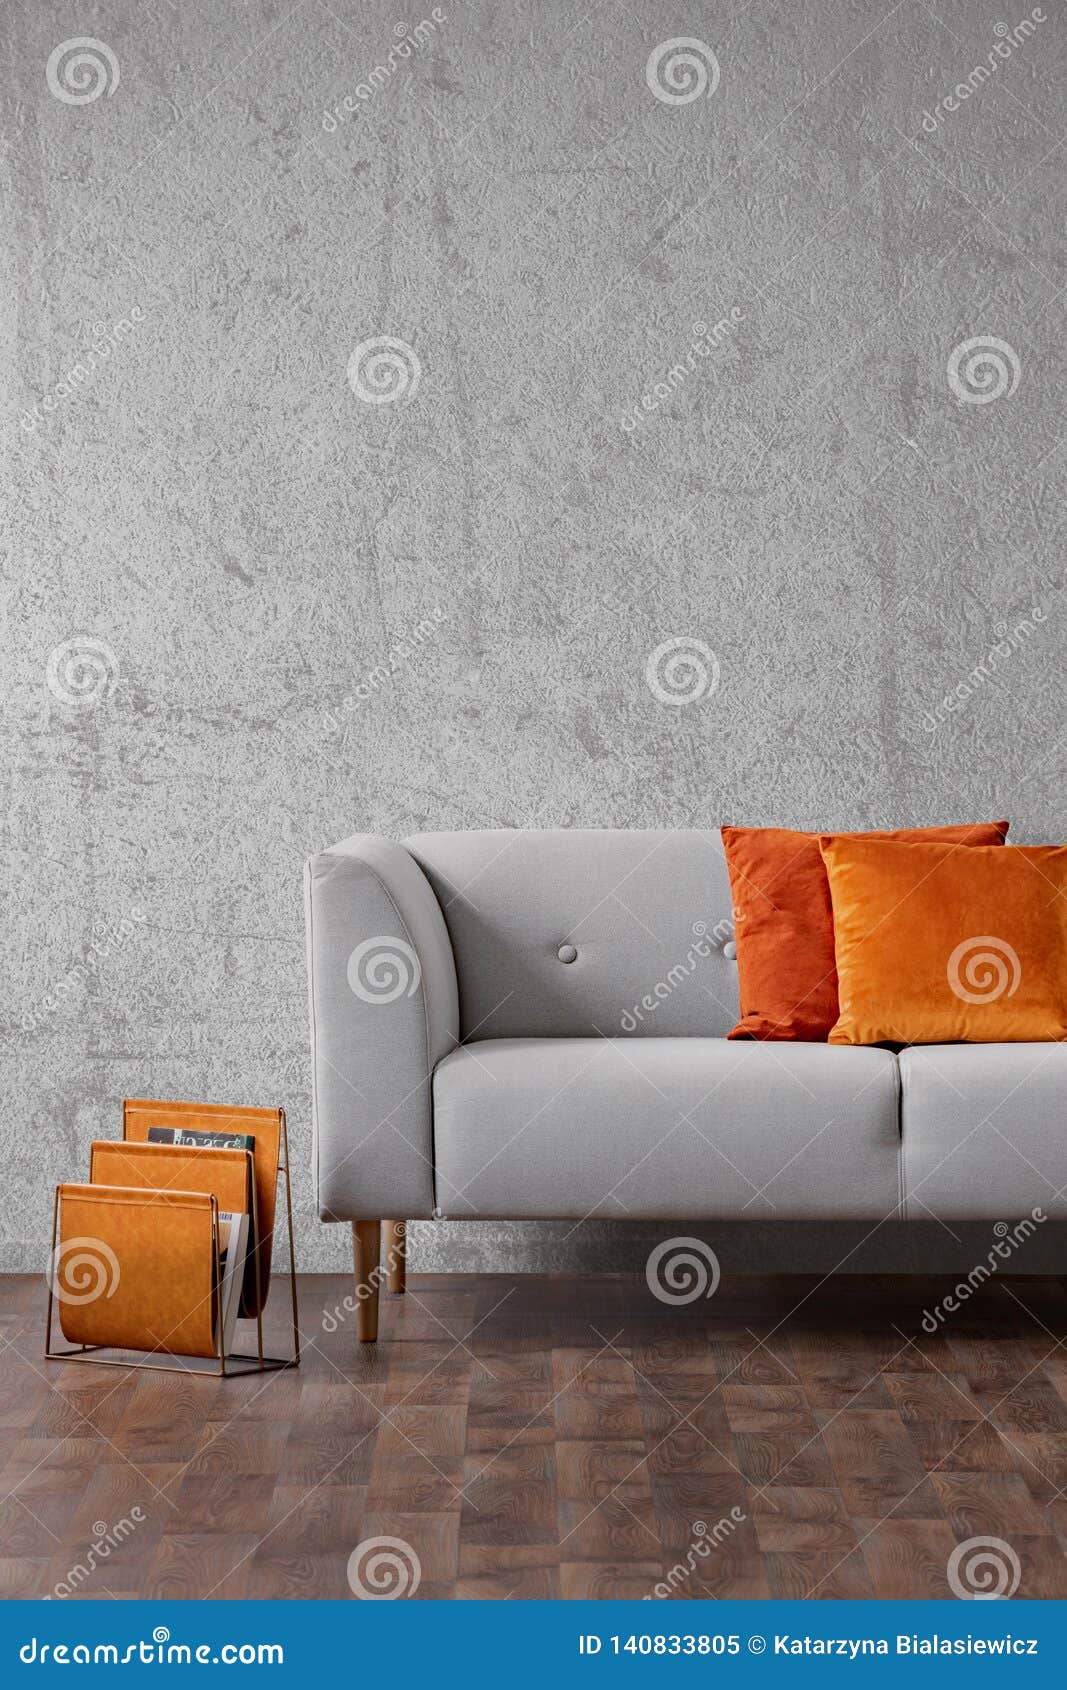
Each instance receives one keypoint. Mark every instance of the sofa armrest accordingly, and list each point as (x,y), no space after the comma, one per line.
(384,1011)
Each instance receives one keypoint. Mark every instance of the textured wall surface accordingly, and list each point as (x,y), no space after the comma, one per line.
(762,350)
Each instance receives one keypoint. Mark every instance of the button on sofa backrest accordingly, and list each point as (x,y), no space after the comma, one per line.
(573,933)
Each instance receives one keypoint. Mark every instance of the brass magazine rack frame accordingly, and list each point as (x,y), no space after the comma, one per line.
(267,1163)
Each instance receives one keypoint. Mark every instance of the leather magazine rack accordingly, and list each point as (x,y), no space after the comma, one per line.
(136,1255)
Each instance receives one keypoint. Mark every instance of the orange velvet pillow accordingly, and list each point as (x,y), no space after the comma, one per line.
(785,925)
(936,944)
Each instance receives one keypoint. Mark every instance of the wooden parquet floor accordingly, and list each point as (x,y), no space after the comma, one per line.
(556,1437)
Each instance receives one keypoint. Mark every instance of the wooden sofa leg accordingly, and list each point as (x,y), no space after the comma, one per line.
(396,1256)
(366,1260)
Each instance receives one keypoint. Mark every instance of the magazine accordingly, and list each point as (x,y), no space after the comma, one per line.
(233,1246)
(193,1137)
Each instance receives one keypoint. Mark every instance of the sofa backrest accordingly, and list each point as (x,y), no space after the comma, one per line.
(647,913)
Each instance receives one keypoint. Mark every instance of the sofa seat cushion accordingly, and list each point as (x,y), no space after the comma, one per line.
(984,1131)
(665,1128)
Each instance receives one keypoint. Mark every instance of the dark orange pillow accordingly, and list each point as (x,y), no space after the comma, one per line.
(784,923)
(936,945)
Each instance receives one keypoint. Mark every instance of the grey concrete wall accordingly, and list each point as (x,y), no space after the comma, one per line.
(224,519)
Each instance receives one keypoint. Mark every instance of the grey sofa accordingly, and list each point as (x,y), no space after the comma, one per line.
(516,1025)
